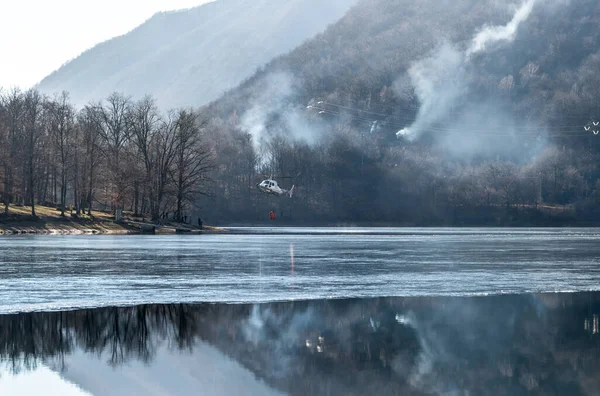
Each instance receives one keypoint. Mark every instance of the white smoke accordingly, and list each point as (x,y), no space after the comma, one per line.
(493,34)
(432,350)
(273,91)
(267,327)
(275,97)
(440,81)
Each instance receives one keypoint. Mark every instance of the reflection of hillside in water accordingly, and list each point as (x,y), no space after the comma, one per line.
(504,345)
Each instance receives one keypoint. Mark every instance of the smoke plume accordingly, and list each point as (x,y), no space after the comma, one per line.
(274,91)
(439,82)
(493,34)
(265,326)
(273,111)
(441,85)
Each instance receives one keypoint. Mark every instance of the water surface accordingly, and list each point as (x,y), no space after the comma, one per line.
(535,344)
(274,264)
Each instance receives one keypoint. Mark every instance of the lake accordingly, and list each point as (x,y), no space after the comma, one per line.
(532,344)
(302,311)
(283,264)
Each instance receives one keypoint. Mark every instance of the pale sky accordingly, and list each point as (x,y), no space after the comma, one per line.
(41,381)
(39,36)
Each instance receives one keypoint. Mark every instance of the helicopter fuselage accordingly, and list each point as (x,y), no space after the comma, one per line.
(271,187)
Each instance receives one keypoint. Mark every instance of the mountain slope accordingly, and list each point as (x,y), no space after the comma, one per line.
(364,59)
(500,128)
(169,373)
(189,57)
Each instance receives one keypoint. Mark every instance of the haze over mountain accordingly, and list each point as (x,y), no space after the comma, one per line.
(501,97)
(425,112)
(189,57)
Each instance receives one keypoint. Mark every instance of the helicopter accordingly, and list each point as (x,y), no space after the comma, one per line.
(270,186)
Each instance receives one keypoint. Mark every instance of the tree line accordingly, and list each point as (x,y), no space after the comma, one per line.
(120,154)
(351,176)
(115,154)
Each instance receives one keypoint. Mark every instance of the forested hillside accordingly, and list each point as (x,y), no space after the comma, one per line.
(403,112)
(190,57)
(502,133)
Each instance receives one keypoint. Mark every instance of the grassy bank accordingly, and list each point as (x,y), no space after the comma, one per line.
(49,221)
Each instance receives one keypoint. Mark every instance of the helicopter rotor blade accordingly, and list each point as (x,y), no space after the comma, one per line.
(288,177)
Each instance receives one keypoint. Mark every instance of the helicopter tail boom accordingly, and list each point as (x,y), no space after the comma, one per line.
(291,192)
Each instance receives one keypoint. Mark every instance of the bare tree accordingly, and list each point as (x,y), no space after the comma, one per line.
(193,161)
(503,176)
(90,125)
(61,119)
(115,136)
(165,146)
(3,148)
(11,134)
(33,134)
(144,123)
(76,168)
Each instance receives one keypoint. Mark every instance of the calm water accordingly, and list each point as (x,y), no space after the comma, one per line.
(58,272)
(461,346)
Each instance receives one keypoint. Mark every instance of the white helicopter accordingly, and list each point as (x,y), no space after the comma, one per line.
(270,186)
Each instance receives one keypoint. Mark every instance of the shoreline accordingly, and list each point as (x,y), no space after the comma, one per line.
(103,227)
(124,229)
(50,222)
(99,229)
(546,295)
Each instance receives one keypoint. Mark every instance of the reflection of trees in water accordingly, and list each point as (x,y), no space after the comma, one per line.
(24,338)
(120,333)
(492,345)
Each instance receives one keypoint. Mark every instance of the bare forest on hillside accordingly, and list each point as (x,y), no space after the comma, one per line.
(505,132)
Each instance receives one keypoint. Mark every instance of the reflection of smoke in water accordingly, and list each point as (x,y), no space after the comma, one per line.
(431,351)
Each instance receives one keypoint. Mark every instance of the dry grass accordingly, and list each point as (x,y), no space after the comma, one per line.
(49,213)
(50,221)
